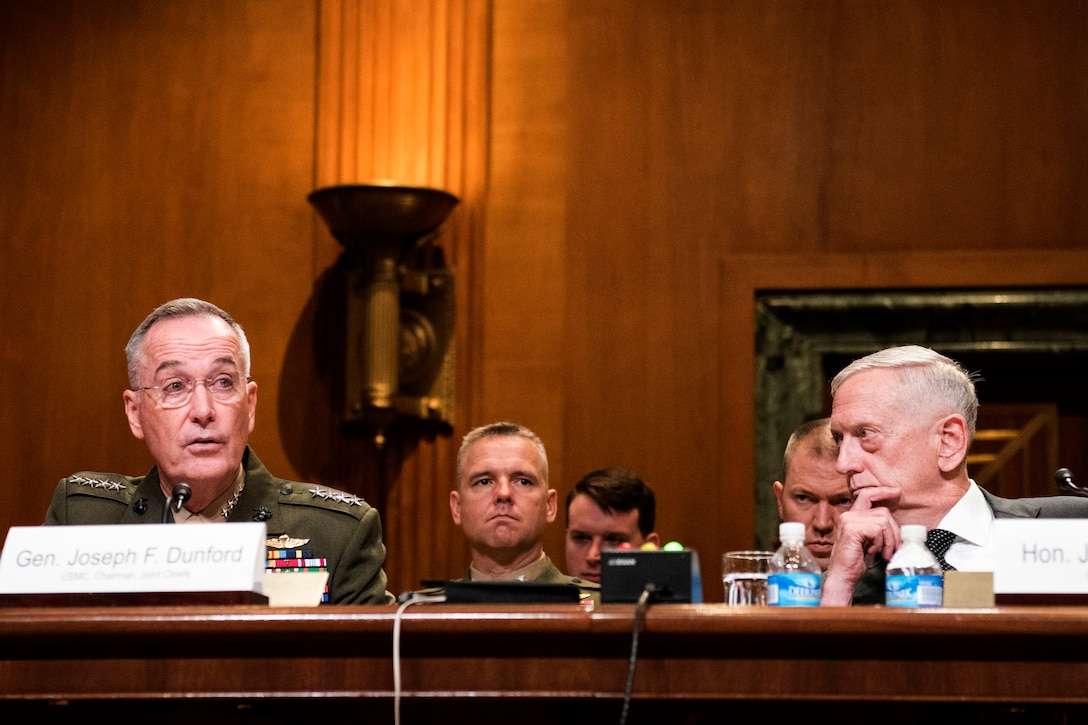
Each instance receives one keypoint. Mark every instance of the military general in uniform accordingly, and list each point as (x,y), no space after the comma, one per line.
(191,400)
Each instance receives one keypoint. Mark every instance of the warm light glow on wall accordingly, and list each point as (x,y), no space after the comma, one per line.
(392,91)
(402,99)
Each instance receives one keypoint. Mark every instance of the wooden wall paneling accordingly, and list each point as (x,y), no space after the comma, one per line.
(644,225)
(955,125)
(523,290)
(152,150)
(402,98)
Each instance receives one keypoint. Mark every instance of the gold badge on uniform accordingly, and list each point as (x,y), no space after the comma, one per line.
(285,541)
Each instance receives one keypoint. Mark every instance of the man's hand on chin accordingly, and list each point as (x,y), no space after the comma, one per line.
(864,531)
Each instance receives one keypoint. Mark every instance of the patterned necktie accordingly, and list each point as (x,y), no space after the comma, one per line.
(938,541)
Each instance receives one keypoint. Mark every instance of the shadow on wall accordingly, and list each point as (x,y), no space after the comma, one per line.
(317,442)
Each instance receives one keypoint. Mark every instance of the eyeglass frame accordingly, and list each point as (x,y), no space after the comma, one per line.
(191,384)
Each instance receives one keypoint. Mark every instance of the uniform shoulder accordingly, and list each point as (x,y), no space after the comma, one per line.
(584,583)
(293,493)
(101,485)
(552,575)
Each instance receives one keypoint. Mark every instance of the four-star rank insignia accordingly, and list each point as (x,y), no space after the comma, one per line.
(338,496)
(103,483)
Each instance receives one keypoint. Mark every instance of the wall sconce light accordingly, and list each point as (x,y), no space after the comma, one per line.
(399,304)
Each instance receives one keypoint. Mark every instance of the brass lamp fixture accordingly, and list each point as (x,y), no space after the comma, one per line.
(399,304)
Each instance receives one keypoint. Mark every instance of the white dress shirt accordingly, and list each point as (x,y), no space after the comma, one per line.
(972,521)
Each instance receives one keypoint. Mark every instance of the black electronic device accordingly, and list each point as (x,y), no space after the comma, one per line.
(625,574)
(470,592)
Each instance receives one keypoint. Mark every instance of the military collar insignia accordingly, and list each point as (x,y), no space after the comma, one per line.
(108,484)
(229,505)
(336,496)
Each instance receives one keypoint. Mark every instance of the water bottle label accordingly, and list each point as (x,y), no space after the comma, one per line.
(696,579)
(794,589)
(926,590)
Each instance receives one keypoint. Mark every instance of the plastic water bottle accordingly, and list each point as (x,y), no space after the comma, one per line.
(696,579)
(795,579)
(913,577)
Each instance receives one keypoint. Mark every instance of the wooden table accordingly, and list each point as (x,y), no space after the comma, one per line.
(694,662)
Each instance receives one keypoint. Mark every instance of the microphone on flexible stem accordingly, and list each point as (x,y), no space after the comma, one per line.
(1064,478)
(178,497)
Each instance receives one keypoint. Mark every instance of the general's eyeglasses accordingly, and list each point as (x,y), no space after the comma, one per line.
(176,392)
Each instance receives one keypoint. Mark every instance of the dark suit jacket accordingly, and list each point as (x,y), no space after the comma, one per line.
(870,587)
(341,528)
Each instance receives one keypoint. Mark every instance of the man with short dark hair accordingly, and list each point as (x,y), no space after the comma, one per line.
(503,504)
(605,510)
(811,491)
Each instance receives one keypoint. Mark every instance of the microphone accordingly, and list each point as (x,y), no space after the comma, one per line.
(181,493)
(1064,478)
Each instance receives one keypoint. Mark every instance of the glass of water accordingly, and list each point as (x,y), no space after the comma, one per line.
(744,577)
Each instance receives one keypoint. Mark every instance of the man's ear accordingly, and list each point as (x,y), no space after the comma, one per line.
(455,507)
(251,393)
(553,504)
(779,487)
(953,442)
(132,412)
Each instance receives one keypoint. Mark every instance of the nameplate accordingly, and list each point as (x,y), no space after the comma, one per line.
(1041,556)
(226,557)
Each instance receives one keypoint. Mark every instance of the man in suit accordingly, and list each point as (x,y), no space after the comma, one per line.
(607,509)
(811,491)
(904,418)
(192,402)
(502,503)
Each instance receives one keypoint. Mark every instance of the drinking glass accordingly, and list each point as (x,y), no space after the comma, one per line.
(744,577)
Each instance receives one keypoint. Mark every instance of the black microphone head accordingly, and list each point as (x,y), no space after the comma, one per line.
(179,495)
(1064,478)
